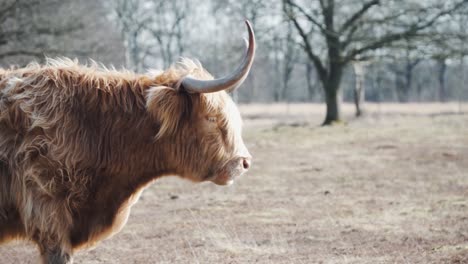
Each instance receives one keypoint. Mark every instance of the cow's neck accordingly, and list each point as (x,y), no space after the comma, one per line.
(128,156)
(143,161)
(120,180)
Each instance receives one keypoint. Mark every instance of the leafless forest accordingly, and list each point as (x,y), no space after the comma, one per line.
(309,51)
(387,182)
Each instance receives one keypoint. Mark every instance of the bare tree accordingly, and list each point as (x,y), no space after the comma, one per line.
(132,18)
(265,16)
(401,36)
(169,29)
(404,62)
(449,43)
(24,31)
(32,29)
(369,26)
(462,22)
(309,76)
(441,71)
(359,89)
(288,61)
(153,30)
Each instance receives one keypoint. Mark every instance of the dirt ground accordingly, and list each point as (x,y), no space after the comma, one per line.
(391,187)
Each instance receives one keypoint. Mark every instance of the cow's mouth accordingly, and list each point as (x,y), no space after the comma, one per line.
(221,177)
(228,172)
(224,179)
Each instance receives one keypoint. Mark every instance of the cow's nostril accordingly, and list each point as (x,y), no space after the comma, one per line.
(246,164)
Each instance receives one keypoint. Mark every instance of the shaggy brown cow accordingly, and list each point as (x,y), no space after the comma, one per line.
(78,144)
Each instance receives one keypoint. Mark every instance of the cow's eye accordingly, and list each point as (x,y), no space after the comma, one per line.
(212,119)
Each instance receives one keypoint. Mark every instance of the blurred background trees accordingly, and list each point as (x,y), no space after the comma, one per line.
(307,49)
(346,31)
(32,29)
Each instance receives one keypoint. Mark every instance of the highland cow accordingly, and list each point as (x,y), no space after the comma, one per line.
(79,143)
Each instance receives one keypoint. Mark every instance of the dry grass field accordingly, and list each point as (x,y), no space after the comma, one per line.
(391,187)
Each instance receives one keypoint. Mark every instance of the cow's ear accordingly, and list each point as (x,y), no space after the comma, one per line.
(168,107)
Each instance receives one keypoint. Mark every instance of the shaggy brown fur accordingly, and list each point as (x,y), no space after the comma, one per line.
(79,143)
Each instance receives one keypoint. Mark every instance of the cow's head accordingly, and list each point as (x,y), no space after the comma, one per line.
(199,123)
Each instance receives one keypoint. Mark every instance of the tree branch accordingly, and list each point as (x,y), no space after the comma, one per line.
(307,46)
(349,36)
(411,32)
(354,18)
(309,17)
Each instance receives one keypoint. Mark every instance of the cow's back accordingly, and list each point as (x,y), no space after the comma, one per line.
(59,136)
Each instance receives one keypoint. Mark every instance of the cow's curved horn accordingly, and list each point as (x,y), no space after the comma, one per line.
(229,82)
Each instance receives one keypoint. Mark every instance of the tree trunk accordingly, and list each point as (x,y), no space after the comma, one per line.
(288,62)
(287,70)
(419,89)
(404,79)
(408,80)
(331,87)
(441,76)
(358,100)
(401,88)
(462,83)
(310,86)
(332,99)
(359,97)
(277,74)
(378,79)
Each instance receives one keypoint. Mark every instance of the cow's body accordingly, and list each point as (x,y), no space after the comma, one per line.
(78,145)
(71,155)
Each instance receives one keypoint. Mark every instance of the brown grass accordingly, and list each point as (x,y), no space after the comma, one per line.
(389,188)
